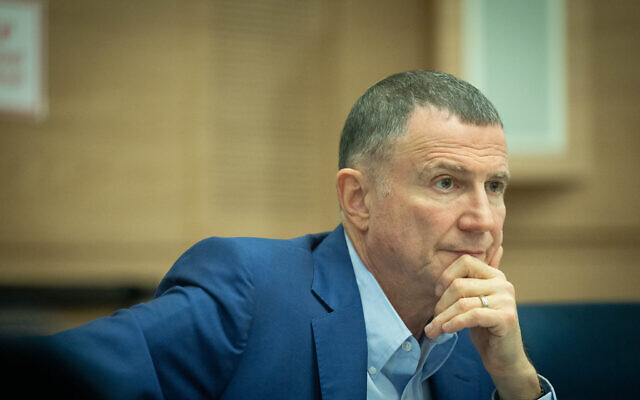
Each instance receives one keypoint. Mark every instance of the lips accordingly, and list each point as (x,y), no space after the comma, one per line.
(473,253)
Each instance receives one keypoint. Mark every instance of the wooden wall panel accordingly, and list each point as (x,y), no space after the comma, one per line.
(100,191)
(579,239)
(172,121)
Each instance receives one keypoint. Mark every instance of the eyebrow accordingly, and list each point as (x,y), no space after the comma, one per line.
(459,169)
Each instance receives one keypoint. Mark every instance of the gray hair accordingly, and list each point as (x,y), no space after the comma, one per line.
(380,115)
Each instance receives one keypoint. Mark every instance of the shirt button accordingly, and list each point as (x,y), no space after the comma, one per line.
(372,370)
(406,346)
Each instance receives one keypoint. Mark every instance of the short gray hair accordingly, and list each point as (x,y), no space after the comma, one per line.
(380,115)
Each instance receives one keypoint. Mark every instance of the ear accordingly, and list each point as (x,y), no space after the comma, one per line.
(353,189)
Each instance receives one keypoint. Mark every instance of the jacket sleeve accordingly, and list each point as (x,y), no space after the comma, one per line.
(185,343)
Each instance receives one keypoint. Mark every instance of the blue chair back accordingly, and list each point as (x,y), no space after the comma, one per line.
(587,351)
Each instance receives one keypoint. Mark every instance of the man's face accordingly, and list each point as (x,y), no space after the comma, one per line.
(445,198)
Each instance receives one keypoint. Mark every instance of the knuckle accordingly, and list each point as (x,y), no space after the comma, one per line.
(464,304)
(458,285)
(511,302)
(475,315)
(511,289)
(510,317)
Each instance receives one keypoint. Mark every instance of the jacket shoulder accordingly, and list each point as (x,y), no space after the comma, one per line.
(227,259)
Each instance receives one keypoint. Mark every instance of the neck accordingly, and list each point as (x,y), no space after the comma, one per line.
(413,305)
(412,299)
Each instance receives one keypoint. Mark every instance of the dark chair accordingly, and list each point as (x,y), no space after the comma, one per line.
(587,351)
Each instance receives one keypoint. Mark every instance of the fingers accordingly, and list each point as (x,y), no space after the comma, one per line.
(469,312)
(497,321)
(493,324)
(471,287)
(466,267)
(494,253)
(495,261)
(459,306)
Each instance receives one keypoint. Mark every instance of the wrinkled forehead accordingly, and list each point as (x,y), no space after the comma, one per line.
(433,135)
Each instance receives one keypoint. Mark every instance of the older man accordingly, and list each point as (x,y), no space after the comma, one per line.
(423,172)
(403,300)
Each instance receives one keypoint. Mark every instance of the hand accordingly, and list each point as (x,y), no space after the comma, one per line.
(494,330)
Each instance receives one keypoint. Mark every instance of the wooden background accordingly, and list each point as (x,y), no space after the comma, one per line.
(171,121)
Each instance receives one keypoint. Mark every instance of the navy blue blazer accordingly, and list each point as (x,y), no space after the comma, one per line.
(249,318)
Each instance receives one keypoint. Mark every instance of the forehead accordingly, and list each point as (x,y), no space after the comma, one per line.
(435,137)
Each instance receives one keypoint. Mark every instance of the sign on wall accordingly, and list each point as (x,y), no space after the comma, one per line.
(22,59)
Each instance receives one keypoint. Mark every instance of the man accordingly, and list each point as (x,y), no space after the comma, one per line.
(403,300)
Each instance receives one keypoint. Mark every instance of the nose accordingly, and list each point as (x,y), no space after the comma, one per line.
(477,215)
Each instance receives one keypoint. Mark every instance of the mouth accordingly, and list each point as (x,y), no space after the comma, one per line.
(479,254)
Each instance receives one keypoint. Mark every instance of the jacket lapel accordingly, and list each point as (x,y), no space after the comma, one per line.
(339,336)
(458,378)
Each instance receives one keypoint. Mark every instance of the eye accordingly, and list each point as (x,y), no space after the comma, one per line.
(494,187)
(444,183)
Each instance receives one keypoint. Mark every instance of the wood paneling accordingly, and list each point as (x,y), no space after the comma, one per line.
(98,190)
(579,239)
(171,121)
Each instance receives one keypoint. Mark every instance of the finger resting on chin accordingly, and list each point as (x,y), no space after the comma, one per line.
(465,267)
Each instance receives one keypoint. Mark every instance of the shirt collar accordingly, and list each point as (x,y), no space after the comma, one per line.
(385,329)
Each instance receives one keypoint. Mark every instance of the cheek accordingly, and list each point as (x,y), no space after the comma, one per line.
(385,230)
(429,226)
(398,233)
(433,220)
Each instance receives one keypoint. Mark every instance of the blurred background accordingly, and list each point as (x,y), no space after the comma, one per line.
(170,121)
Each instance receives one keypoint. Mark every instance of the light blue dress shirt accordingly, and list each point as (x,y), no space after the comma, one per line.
(398,366)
